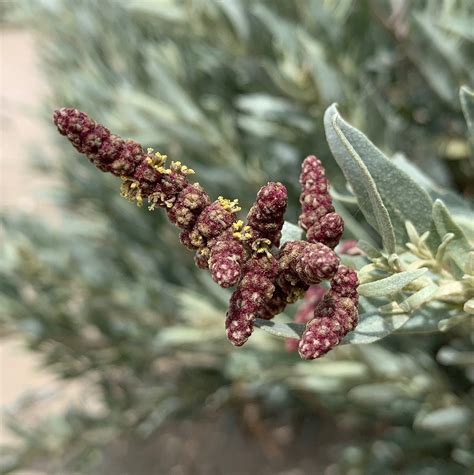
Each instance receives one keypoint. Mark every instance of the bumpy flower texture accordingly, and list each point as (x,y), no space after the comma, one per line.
(318,218)
(240,254)
(334,317)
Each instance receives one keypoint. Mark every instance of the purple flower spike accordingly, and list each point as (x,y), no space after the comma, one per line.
(333,318)
(266,217)
(248,301)
(317,217)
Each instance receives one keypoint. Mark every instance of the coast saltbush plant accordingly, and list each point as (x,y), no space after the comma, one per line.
(238,254)
(238,94)
(430,265)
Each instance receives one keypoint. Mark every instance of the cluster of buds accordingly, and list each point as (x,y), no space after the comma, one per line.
(241,254)
(317,217)
(334,317)
(248,300)
(305,312)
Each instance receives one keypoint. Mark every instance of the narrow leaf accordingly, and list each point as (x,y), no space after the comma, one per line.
(402,197)
(373,326)
(345,152)
(419,298)
(459,247)
(426,319)
(447,419)
(282,330)
(369,250)
(390,285)
(466,96)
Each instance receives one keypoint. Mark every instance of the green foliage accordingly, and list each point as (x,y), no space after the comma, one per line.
(238,91)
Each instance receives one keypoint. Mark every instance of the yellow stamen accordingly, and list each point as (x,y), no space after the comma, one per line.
(261,246)
(228,205)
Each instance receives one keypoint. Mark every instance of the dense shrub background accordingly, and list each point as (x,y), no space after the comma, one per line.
(236,90)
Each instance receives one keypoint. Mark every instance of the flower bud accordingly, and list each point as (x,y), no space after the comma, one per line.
(318,218)
(305,312)
(188,206)
(226,257)
(333,318)
(254,291)
(310,262)
(328,230)
(266,217)
(317,262)
(214,220)
(345,283)
(315,199)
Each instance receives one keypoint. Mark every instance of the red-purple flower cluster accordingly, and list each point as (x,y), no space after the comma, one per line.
(318,218)
(334,317)
(305,312)
(244,255)
(254,290)
(266,217)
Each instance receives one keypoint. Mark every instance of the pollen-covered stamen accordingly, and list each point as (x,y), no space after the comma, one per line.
(241,232)
(157,161)
(229,205)
(145,176)
(130,189)
(262,246)
(179,167)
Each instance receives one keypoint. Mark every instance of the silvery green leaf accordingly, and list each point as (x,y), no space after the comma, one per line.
(453,201)
(381,188)
(317,384)
(466,95)
(290,232)
(353,225)
(460,25)
(344,144)
(390,285)
(332,369)
(446,324)
(282,330)
(166,10)
(447,419)
(369,250)
(459,247)
(436,56)
(343,197)
(324,75)
(377,393)
(237,15)
(445,45)
(426,319)
(469,265)
(373,326)
(419,298)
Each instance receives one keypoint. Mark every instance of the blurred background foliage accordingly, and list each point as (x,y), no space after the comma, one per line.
(236,90)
